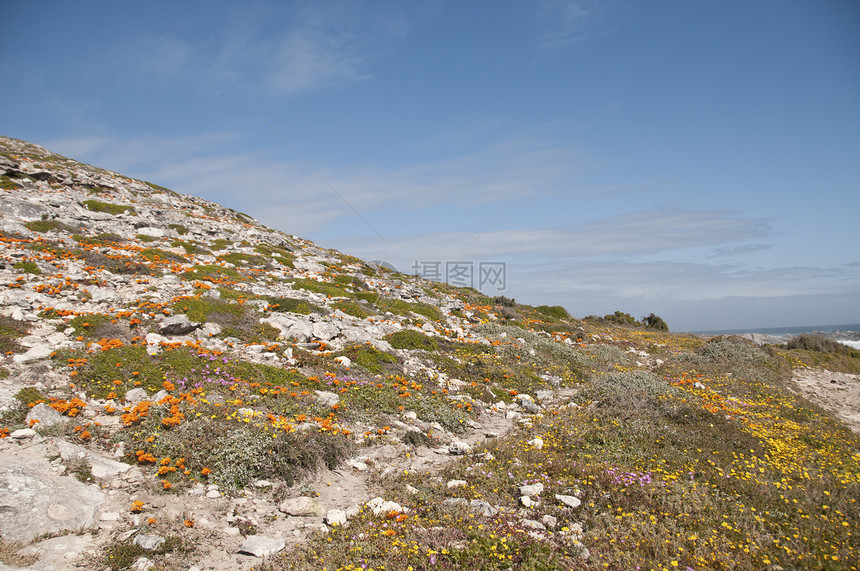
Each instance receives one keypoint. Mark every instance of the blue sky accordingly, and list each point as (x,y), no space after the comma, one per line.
(698,160)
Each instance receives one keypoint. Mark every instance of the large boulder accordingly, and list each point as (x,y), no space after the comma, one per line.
(35,501)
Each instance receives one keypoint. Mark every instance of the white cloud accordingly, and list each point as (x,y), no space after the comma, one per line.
(563,23)
(280,52)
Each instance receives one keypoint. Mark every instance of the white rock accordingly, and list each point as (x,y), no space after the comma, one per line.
(22,434)
(45,415)
(262,546)
(149,542)
(536,442)
(302,507)
(459,448)
(335,517)
(33,354)
(569,501)
(456,483)
(528,502)
(531,489)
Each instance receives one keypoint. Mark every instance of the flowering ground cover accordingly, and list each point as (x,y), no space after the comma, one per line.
(255,368)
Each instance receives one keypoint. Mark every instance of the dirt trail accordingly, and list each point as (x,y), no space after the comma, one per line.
(836,392)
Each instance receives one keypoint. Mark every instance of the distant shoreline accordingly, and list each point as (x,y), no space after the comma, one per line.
(848,334)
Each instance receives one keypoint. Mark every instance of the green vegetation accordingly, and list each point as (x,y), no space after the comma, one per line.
(400,307)
(358,310)
(212,273)
(319,287)
(114,209)
(158,255)
(28,267)
(292,305)
(10,332)
(242,259)
(369,358)
(220,244)
(7,183)
(553,311)
(821,344)
(191,247)
(30,395)
(411,339)
(205,309)
(655,322)
(48,226)
(103,239)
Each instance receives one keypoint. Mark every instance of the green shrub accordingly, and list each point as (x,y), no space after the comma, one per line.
(319,287)
(368,357)
(354,309)
(10,332)
(238,455)
(103,239)
(48,226)
(114,209)
(655,322)
(411,339)
(190,247)
(29,395)
(620,318)
(207,309)
(213,273)
(292,305)
(180,229)
(553,311)
(28,267)
(242,259)
(159,255)
(811,342)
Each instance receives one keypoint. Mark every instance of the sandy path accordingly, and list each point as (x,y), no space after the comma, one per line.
(836,392)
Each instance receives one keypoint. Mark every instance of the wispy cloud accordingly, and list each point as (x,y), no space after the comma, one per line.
(628,235)
(318,47)
(282,191)
(563,23)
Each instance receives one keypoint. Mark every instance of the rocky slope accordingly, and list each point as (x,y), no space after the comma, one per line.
(122,298)
(183,388)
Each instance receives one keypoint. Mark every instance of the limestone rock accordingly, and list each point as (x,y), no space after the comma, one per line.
(569,501)
(177,325)
(335,517)
(531,489)
(148,542)
(459,448)
(100,466)
(35,353)
(34,501)
(44,416)
(261,546)
(302,507)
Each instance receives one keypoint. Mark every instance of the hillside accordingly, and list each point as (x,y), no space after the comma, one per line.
(185,389)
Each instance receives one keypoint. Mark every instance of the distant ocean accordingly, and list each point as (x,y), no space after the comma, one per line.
(847,334)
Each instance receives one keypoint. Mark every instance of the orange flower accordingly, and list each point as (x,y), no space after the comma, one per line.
(206,471)
(166,485)
(136,506)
